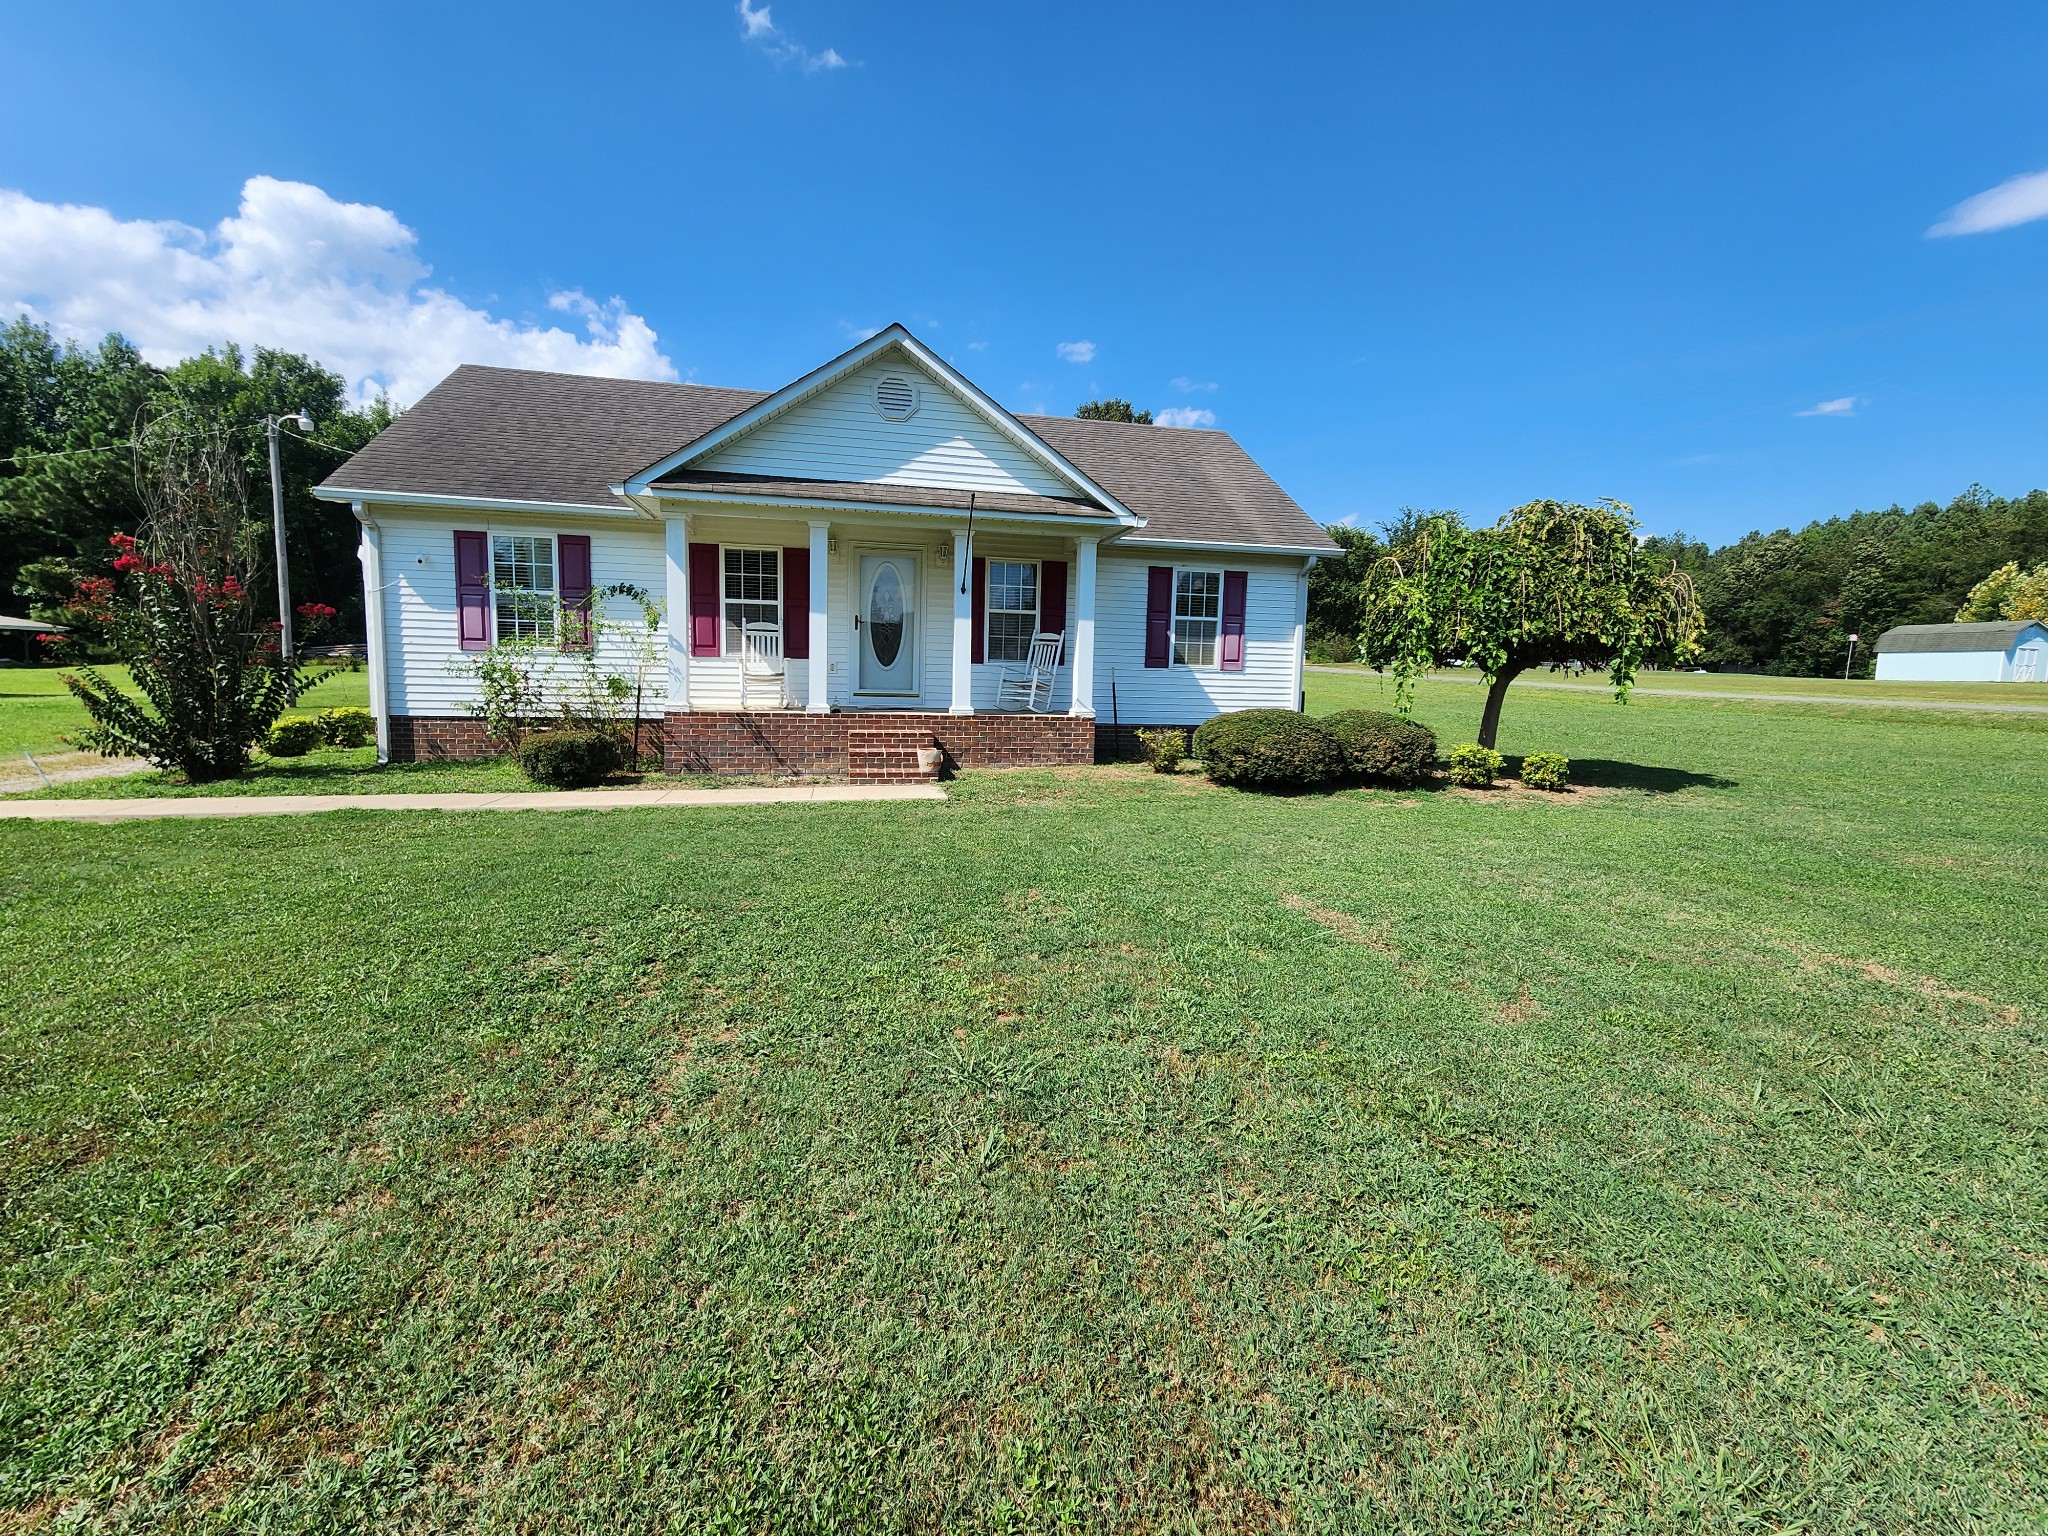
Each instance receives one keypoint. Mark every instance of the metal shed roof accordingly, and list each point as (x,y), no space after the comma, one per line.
(1999,636)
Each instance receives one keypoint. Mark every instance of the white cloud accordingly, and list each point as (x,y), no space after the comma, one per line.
(1185,416)
(977,346)
(294,269)
(858,333)
(1076,351)
(2018,201)
(757,26)
(1846,406)
(1195,386)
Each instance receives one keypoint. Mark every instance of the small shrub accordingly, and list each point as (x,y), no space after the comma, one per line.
(569,759)
(1270,749)
(1383,747)
(293,736)
(346,727)
(1474,766)
(1165,749)
(1547,770)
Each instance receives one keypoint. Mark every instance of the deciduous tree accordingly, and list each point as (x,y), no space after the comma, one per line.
(1552,583)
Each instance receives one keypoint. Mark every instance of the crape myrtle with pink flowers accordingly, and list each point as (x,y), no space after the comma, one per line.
(183,611)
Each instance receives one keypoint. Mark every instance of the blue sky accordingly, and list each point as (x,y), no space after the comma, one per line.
(1438,256)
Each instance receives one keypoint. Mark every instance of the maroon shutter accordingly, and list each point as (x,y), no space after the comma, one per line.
(796,604)
(1158,615)
(980,651)
(473,591)
(574,588)
(704,617)
(1052,598)
(1230,654)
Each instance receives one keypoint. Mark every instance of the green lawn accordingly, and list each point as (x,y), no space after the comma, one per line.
(1090,1151)
(36,712)
(1805,687)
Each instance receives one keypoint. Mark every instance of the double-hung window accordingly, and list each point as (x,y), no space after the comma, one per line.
(753,591)
(523,581)
(1197,617)
(1012,608)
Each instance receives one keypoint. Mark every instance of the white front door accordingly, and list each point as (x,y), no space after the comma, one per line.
(885,626)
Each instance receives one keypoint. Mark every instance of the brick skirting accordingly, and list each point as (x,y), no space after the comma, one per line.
(432,738)
(802,743)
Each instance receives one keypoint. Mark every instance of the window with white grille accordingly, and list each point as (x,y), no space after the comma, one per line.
(1012,609)
(1197,616)
(753,591)
(523,585)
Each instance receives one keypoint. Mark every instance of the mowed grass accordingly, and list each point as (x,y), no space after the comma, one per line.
(36,711)
(1824,688)
(1091,1151)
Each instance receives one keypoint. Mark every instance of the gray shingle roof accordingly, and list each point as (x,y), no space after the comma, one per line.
(1997,636)
(512,434)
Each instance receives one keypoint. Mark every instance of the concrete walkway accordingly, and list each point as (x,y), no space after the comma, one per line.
(1990,706)
(215,806)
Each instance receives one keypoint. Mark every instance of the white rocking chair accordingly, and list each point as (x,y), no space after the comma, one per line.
(1030,686)
(761,669)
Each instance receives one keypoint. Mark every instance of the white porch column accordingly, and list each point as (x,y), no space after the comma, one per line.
(963,625)
(816,700)
(371,553)
(1084,629)
(677,609)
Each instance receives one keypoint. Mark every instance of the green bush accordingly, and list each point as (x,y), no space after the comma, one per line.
(1165,749)
(346,727)
(293,736)
(569,759)
(1474,766)
(1547,770)
(1270,749)
(1383,747)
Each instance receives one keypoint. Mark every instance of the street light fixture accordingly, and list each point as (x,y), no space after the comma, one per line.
(1852,656)
(304,423)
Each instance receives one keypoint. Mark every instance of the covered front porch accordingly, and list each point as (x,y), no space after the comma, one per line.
(775,613)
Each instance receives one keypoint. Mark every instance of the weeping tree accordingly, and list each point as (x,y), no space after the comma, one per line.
(185,611)
(1551,584)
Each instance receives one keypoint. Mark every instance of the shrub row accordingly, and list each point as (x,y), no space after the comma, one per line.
(1476,767)
(296,735)
(1277,749)
(570,759)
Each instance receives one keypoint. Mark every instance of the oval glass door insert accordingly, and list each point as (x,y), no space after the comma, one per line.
(885,615)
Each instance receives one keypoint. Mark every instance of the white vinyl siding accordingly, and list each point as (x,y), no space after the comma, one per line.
(837,434)
(420,638)
(1181,695)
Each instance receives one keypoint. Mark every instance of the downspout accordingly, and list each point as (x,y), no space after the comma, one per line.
(370,550)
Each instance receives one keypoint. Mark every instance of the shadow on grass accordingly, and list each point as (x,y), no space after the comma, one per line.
(1605,773)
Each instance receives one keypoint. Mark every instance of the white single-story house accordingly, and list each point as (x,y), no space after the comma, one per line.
(2010,651)
(874,558)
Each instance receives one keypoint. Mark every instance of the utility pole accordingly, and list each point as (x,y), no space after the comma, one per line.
(304,423)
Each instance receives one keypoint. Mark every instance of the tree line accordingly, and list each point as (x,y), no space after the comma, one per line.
(69,416)
(1783,602)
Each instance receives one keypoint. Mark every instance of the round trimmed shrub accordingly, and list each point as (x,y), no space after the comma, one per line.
(1474,766)
(1270,749)
(293,736)
(1547,770)
(346,727)
(1383,747)
(570,759)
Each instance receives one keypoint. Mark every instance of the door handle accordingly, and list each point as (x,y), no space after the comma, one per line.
(856,621)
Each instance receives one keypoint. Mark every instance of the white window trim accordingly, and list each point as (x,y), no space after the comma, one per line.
(1173,617)
(781,596)
(491,536)
(988,608)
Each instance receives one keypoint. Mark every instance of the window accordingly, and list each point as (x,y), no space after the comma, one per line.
(1197,616)
(523,579)
(1012,609)
(753,591)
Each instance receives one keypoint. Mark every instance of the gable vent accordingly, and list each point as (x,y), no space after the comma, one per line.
(895,397)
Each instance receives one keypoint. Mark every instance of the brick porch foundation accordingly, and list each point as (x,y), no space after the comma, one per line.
(800,743)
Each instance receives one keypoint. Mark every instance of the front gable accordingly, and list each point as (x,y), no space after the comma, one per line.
(887,412)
